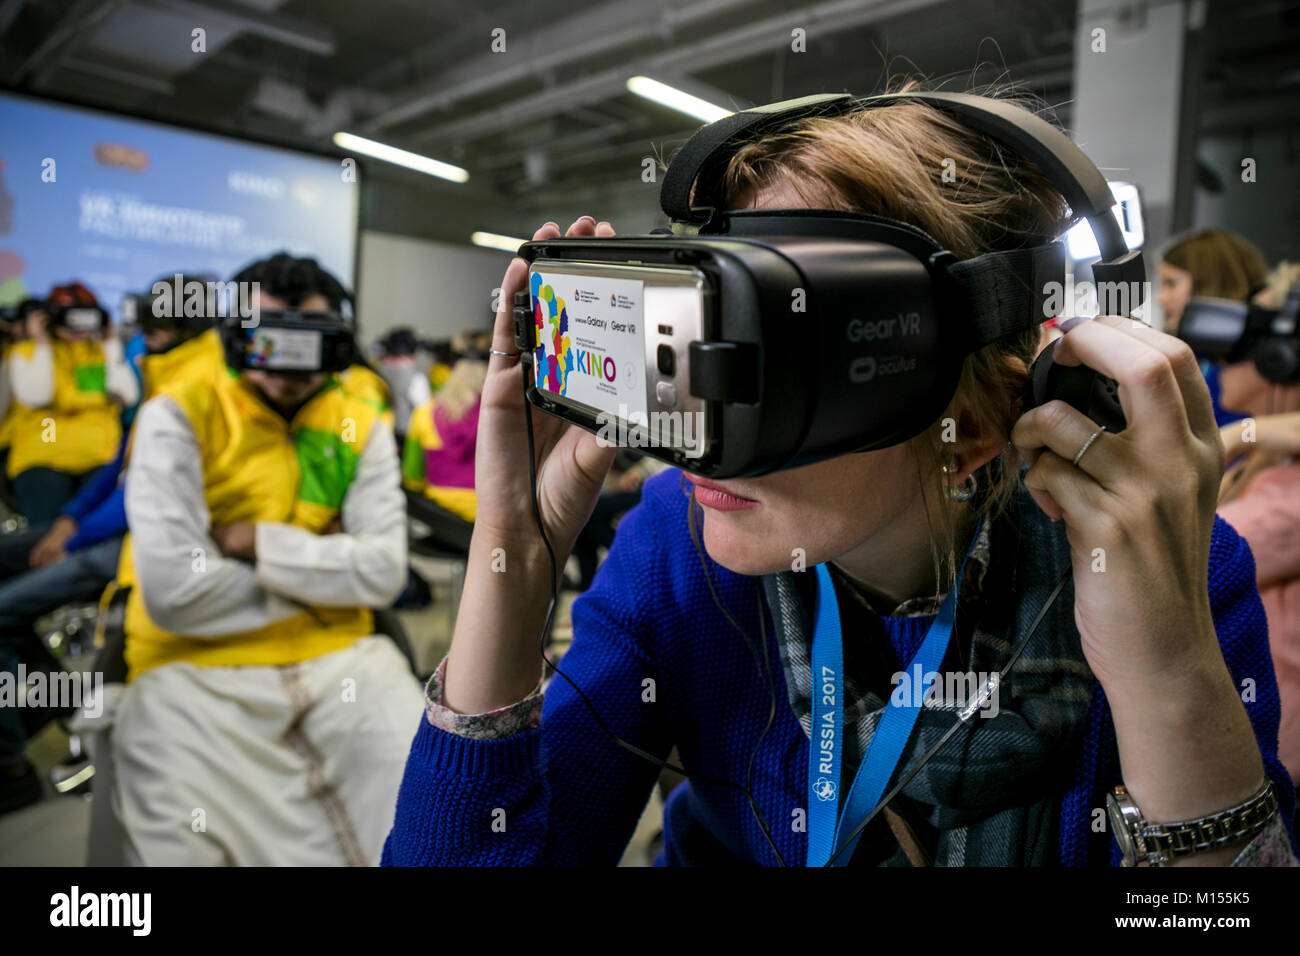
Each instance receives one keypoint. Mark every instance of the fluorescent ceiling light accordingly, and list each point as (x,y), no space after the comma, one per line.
(400,157)
(676,99)
(494,240)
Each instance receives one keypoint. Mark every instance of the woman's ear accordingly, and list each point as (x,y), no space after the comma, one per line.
(974,449)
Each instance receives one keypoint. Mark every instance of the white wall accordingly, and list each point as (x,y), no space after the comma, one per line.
(1264,211)
(437,288)
(1127,100)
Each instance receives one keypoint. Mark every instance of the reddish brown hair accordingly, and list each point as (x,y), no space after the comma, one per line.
(891,161)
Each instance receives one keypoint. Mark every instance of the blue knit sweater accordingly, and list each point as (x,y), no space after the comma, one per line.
(565,794)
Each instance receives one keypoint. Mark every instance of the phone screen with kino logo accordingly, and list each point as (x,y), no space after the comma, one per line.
(591,340)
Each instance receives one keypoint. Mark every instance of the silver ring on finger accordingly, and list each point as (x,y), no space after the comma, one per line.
(505,354)
(1088,444)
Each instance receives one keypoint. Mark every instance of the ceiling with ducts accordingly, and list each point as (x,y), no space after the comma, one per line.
(548,120)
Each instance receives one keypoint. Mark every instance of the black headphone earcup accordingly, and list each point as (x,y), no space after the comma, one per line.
(1036,384)
(1081,387)
(1278,360)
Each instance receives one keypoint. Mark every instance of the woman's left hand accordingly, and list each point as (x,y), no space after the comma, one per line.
(1138,507)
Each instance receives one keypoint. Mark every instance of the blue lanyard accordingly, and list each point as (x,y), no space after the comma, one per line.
(826,826)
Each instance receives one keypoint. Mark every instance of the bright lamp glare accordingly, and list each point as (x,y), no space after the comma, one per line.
(676,99)
(494,240)
(400,157)
(1082,244)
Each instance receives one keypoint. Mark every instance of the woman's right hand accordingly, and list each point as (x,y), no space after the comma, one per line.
(494,659)
(1278,433)
(571,464)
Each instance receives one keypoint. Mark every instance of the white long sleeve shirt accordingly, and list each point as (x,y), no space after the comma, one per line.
(365,566)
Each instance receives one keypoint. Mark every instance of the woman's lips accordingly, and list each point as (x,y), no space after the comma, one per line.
(714,496)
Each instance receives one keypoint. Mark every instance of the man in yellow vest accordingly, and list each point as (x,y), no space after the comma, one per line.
(68,381)
(263,721)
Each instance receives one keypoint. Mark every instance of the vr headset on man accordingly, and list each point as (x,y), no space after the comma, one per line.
(1224,330)
(291,342)
(92,319)
(795,335)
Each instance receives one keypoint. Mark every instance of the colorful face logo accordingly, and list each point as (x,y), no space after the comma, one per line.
(554,358)
(261,349)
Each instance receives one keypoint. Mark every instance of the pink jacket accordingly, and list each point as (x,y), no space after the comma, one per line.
(1267,515)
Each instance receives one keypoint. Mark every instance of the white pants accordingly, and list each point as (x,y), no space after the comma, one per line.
(265,766)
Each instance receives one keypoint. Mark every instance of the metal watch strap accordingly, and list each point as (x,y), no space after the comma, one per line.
(1168,841)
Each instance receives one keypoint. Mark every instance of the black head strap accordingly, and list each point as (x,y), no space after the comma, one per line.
(1006,292)
(704,156)
(701,161)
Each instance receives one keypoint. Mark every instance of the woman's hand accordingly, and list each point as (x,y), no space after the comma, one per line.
(494,659)
(1279,434)
(571,464)
(52,545)
(1139,510)
(1139,505)
(238,540)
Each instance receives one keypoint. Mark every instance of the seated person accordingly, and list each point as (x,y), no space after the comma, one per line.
(1260,498)
(407,384)
(66,388)
(438,456)
(79,554)
(1210,262)
(263,721)
(13,329)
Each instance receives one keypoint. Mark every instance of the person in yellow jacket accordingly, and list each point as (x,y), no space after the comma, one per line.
(438,454)
(68,380)
(263,722)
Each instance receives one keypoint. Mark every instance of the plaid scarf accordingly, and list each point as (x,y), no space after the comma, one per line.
(990,796)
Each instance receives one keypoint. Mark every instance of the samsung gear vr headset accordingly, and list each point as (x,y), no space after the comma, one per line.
(289,341)
(740,342)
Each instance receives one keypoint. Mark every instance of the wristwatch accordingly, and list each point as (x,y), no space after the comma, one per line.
(1158,843)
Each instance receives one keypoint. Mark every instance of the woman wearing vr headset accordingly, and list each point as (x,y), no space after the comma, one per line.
(69,380)
(1260,497)
(441,435)
(1133,679)
(1211,262)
